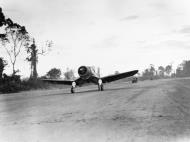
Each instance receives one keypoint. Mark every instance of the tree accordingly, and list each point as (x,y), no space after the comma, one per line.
(179,70)
(146,74)
(17,37)
(152,71)
(185,68)
(54,73)
(161,71)
(14,38)
(168,69)
(69,74)
(2,23)
(116,72)
(149,73)
(33,57)
(2,67)
(2,18)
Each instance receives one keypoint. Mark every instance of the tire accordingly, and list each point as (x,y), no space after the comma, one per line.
(99,88)
(72,90)
(102,88)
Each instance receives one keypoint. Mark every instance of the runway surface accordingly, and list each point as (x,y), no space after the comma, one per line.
(148,111)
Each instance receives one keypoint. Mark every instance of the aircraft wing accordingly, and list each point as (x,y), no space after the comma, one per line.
(78,81)
(58,81)
(115,77)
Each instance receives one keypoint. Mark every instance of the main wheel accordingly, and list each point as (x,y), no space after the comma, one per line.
(72,90)
(102,87)
(99,88)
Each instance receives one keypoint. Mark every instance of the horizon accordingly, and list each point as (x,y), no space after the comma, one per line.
(115,36)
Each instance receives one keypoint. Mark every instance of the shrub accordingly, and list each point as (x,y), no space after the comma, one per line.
(10,87)
(30,84)
(10,84)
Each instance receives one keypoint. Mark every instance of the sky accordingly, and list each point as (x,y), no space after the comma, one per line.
(115,35)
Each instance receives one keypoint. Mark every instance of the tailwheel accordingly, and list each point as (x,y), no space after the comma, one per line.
(72,90)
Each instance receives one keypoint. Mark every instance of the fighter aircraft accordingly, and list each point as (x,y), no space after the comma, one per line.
(87,74)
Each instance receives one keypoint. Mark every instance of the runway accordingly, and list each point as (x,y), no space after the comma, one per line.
(149,111)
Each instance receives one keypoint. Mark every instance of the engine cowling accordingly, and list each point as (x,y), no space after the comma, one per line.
(84,72)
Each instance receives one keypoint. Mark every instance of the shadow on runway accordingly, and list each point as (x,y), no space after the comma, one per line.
(96,90)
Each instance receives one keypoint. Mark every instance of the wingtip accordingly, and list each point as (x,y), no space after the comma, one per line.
(136,71)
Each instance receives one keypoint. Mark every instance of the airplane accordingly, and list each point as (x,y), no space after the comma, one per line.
(87,74)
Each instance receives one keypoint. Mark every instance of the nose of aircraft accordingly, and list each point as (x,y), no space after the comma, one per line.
(82,70)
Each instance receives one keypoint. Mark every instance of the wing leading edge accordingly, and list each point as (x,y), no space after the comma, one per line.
(57,81)
(115,77)
(105,79)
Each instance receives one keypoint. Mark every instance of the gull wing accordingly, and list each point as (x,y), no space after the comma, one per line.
(78,81)
(58,81)
(115,77)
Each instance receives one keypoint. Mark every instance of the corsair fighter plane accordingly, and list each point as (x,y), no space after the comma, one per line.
(87,75)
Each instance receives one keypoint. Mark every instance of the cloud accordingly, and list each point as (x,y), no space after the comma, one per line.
(178,44)
(160,5)
(169,44)
(110,42)
(185,29)
(131,17)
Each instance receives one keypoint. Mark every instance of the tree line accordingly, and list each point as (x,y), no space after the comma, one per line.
(15,39)
(56,73)
(183,70)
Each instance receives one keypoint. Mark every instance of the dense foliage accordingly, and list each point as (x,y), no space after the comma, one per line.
(54,73)
(69,74)
(13,38)
(183,70)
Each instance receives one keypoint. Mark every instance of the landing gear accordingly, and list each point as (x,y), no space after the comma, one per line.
(135,80)
(100,85)
(72,90)
(73,87)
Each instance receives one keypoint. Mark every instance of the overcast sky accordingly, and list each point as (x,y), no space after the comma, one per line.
(111,34)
